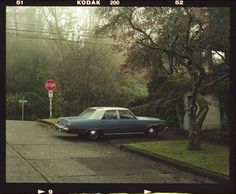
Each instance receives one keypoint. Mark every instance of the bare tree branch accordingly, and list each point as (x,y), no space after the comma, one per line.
(214,82)
(221,56)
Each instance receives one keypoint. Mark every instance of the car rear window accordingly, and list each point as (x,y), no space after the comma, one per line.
(125,114)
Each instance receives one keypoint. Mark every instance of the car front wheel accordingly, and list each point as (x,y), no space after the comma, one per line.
(93,134)
(151,132)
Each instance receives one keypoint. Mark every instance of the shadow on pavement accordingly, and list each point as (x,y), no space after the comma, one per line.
(112,139)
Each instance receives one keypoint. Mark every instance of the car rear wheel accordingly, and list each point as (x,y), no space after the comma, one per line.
(94,134)
(151,132)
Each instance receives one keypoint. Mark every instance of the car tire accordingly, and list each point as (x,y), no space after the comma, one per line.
(94,134)
(151,132)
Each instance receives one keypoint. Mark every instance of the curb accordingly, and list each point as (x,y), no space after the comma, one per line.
(177,164)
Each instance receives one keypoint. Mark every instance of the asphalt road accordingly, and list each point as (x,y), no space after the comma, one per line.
(38,154)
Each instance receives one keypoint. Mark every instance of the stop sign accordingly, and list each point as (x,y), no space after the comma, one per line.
(50,84)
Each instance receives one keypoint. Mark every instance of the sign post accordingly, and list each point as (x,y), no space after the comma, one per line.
(50,95)
(22,108)
(50,85)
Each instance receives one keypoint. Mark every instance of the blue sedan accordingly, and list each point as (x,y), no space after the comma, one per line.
(96,122)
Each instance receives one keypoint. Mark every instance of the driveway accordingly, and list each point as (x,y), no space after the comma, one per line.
(39,154)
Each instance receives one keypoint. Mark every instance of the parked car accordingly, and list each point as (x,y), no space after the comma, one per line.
(98,121)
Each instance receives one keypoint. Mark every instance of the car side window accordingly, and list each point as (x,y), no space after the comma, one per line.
(104,116)
(110,114)
(125,114)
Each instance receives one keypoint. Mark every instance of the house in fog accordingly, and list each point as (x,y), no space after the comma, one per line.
(213,118)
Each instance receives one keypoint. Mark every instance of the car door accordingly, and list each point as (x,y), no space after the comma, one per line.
(128,123)
(110,122)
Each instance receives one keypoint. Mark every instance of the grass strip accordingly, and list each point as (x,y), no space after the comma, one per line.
(212,157)
(49,121)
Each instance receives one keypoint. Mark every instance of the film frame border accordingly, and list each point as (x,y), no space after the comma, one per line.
(116,188)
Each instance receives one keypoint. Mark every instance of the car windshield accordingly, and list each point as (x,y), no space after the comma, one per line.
(87,113)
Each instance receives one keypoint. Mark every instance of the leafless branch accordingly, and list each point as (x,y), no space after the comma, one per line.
(214,82)
(221,56)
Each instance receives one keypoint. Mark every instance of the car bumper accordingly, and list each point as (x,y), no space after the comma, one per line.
(62,128)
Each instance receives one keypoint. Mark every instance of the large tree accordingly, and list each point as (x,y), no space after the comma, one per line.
(176,40)
(52,43)
(95,78)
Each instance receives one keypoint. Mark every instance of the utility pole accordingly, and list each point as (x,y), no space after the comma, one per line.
(22,108)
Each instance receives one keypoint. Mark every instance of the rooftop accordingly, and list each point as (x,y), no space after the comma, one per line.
(109,108)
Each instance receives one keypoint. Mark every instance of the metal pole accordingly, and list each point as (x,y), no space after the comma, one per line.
(50,107)
(22,114)
(22,108)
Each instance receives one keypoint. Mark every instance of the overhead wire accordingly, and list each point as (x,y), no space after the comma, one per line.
(37,34)
(27,26)
(47,38)
(47,32)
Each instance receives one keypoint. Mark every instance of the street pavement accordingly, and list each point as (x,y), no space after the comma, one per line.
(39,154)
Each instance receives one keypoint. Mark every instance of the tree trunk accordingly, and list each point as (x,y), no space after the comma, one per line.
(195,141)
(179,116)
(209,60)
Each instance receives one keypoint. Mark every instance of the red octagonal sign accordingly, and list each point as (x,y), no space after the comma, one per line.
(50,84)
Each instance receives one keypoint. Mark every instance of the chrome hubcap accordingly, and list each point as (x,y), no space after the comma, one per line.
(93,132)
(151,130)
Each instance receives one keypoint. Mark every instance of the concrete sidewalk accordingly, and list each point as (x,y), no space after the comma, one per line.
(39,154)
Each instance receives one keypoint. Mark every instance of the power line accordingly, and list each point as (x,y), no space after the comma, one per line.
(28,25)
(50,33)
(18,30)
(46,38)
(10,22)
(33,26)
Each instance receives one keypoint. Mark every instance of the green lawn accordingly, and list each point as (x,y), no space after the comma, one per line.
(211,157)
(52,120)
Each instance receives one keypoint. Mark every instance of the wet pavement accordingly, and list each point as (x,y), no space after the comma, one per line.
(39,154)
